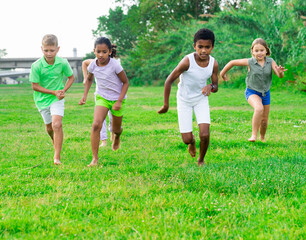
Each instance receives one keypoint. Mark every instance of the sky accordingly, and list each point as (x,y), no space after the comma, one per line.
(23,23)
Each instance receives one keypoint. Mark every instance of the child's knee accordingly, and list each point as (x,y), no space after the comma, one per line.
(96,126)
(188,139)
(49,128)
(264,122)
(204,136)
(57,125)
(259,110)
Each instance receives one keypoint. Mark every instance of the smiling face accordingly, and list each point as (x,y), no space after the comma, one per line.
(102,53)
(49,52)
(259,52)
(203,48)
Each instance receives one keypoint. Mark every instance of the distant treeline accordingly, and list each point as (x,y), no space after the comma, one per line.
(153,36)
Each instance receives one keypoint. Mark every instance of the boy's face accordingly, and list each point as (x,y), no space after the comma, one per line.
(203,48)
(49,52)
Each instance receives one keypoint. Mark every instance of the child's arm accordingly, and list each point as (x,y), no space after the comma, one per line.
(88,83)
(122,76)
(213,87)
(58,93)
(278,70)
(69,83)
(181,67)
(85,65)
(229,65)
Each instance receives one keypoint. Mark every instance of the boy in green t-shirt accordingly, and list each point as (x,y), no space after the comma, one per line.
(49,91)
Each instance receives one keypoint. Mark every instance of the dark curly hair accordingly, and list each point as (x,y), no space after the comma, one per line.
(204,34)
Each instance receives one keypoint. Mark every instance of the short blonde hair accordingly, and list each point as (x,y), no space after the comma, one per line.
(263,43)
(50,40)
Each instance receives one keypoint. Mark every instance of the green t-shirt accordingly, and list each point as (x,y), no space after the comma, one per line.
(49,77)
(259,78)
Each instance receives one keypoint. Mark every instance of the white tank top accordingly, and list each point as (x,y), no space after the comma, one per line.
(194,79)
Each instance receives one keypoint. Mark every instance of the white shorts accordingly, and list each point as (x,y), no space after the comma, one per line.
(185,113)
(56,108)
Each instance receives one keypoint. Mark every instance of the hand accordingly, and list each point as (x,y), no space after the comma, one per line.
(83,100)
(163,109)
(60,94)
(280,69)
(206,90)
(224,77)
(117,106)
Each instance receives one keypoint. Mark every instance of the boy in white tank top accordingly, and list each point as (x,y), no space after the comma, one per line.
(192,96)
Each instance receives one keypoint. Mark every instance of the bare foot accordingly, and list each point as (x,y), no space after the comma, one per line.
(57,162)
(201,163)
(262,139)
(192,148)
(116,143)
(116,140)
(93,163)
(103,143)
(252,139)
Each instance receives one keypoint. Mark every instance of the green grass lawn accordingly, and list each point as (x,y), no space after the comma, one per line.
(151,188)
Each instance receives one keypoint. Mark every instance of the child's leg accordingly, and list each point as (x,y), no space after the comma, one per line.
(110,125)
(204,141)
(202,114)
(110,121)
(117,130)
(99,117)
(57,138)
(185,115)
(256,102)
(264,122)
(49,130)
(188,138)
(103,134)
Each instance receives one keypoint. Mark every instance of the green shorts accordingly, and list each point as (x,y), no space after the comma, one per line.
(100,101)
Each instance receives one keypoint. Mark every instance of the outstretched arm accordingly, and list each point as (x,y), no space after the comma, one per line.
(181,67)
(278,70)
(230,64)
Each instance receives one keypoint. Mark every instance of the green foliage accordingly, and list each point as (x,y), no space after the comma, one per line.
(162,33)
(151,188)
(117,26)
(3,53)
(90,55)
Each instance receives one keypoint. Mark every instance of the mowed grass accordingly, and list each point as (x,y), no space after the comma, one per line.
(151,188)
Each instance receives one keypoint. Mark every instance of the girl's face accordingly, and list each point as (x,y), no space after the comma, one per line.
(203,48)
(259,52)
(102,53)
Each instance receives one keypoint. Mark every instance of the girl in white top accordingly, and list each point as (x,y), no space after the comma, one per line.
(192,96)
(103,133)
(111,88)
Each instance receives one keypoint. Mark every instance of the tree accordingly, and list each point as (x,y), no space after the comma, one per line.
(2,53)
(117,26)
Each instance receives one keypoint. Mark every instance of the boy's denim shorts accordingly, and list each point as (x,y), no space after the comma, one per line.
(266,100)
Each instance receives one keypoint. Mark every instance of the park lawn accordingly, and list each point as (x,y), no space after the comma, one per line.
(151,188)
